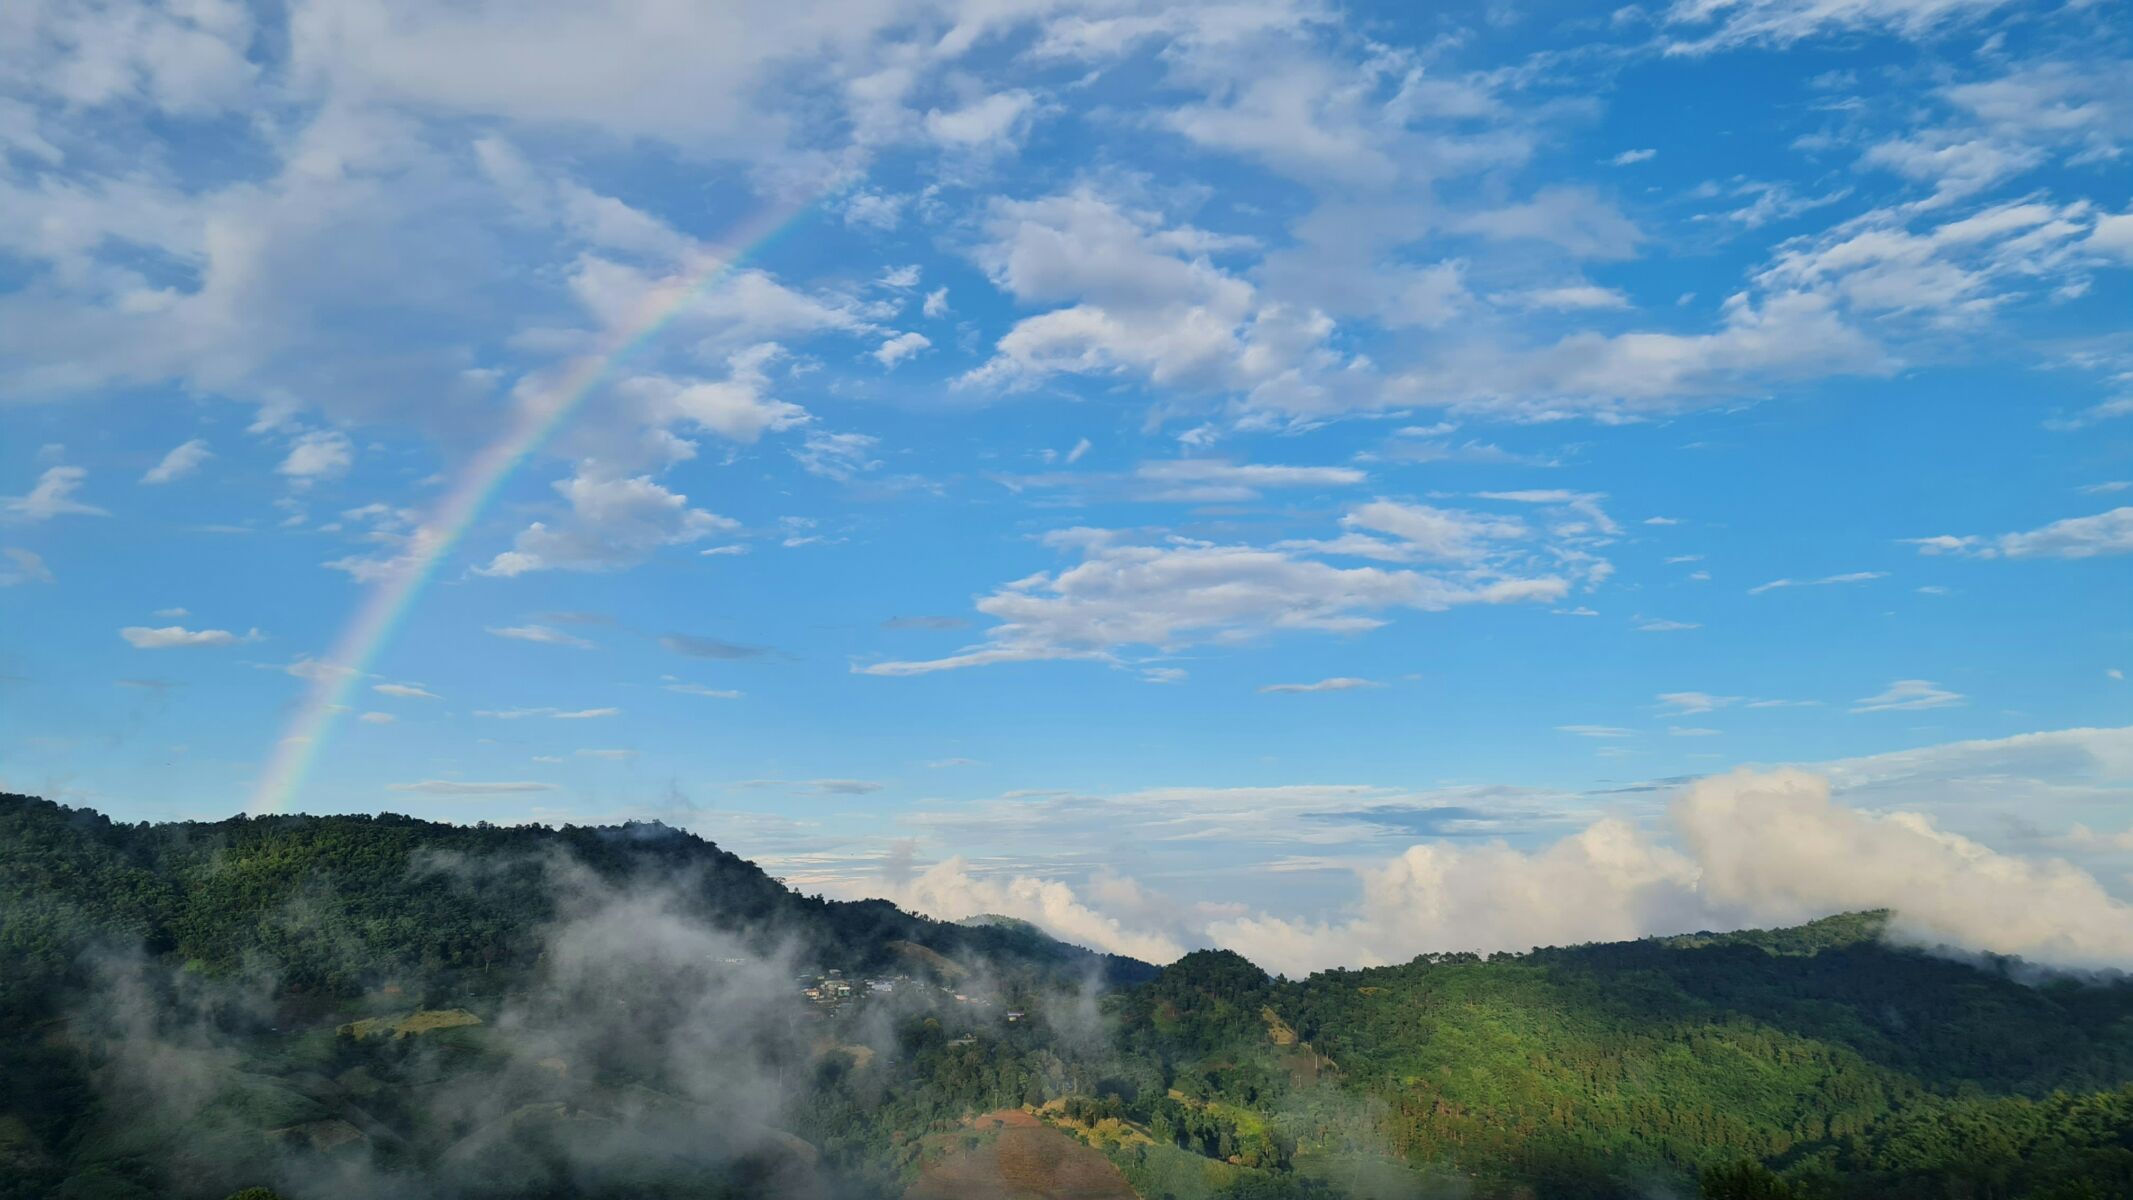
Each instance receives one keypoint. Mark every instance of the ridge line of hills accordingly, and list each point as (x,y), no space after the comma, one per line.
(359,1006)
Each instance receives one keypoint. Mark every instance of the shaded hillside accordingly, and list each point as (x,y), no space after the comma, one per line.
(337,904)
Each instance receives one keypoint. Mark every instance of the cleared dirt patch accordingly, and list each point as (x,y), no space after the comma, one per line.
(424,1020)
(1018,1158)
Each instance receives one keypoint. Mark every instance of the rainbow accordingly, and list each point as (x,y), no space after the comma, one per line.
(335,677)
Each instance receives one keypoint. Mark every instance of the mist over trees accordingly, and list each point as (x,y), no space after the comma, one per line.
(382,1006)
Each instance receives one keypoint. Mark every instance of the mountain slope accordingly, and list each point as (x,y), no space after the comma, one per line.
(382,1006)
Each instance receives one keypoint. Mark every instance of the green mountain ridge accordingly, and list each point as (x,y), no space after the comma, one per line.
(374,1006)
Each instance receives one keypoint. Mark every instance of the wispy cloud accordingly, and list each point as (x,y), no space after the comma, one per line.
(1907,695)
(546,635)
(553,714)
(1824,581)
(1339,683)
(464,787)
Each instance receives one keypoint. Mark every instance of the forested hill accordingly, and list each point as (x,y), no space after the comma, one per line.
(340,903)
(371,1007)
(1814,1062)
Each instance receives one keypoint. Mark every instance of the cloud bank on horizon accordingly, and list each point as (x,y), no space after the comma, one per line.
(1099,459)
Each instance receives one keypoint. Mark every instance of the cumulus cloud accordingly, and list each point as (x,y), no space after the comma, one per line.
(738,407)
(613,522)
(183,460)
(900,347)
(1140,296)
(319,455)
(1753,849)
(951,892)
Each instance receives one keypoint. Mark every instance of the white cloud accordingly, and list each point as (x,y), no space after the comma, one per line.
(827,787)
(377,718)
(739,407)
(1663,625)
(319,455)
(838,456)
(936,305)
(462,787)
(613,522)
(51,496)
(949,891)
(405,691)
(184,61)
(1145,298)
(553,714)
(2075,537)
(2113,235)
(2103,410)
(1956,167)
(1339,683)
(1206,480)
(23,566)
(544,634)
(1573,297)
(1756,849)
(1605,732)
(169,636)
(1734,23)
(1788,336)
(874,210)
(698,689)
(1123,594)
(1687,703)
(183,460)
(1632,157)
(1575,220)
(898,348)
(1824,581)
(1908,695)
(992,123)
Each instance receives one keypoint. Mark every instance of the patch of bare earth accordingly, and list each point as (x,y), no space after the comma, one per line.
(1018,1157)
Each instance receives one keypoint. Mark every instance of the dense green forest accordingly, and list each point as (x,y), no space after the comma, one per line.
(383,1006)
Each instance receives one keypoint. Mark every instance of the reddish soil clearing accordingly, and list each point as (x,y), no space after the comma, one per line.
(1025,1160)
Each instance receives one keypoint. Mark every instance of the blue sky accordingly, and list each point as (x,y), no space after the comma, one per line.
(1319,479)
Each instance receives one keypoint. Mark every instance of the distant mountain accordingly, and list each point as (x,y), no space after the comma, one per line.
(383,1006)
